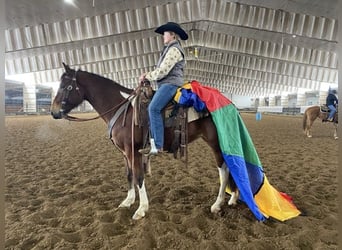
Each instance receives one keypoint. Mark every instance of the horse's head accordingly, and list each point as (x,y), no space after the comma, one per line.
(69,94)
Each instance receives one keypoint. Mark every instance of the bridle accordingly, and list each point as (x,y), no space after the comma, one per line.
(72,84)
(67,90)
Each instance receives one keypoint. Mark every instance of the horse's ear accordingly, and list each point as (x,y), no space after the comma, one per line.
(66,67)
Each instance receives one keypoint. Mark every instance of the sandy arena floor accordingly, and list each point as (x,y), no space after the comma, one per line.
(65,180)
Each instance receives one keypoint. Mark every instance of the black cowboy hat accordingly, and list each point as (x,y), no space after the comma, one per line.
(174,27)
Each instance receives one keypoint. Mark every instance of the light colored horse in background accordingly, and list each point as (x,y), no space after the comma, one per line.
(314,112)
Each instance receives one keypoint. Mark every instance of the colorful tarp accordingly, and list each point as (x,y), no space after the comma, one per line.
(240,155)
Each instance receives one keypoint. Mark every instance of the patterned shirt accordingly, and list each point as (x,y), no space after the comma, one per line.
(171,58)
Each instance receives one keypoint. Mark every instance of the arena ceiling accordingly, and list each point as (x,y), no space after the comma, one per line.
(245,47)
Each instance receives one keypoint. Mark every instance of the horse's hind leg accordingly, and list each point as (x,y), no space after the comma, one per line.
(234,191)
(223,173)
(308,127)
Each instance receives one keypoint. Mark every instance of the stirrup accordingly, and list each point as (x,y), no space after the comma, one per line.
(144,150)
(149,151)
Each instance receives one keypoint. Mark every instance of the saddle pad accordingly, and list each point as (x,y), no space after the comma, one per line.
(193,115)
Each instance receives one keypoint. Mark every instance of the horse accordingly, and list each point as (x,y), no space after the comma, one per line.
(314,112)
(110,99)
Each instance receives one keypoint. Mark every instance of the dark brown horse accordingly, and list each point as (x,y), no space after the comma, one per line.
(314,112)
(110,100)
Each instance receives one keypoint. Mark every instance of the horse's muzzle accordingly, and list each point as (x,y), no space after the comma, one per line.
(57,115)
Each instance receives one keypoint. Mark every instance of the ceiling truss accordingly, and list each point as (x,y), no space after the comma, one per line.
(242,48)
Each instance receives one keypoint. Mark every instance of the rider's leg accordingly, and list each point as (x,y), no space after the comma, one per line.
(332,112)
(160,99)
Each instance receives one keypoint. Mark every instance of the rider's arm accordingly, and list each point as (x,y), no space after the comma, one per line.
(171,58)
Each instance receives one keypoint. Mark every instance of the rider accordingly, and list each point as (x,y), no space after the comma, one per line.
(169,76)
(332,101)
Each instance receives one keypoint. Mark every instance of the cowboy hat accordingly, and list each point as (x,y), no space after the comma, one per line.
(174,27)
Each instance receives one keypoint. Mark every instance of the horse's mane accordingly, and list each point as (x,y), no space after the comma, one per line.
(107,81)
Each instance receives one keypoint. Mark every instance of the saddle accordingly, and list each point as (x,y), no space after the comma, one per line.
(324,108)
(175,116)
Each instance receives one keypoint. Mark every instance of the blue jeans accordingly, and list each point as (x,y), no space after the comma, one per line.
(332,111)
(160,99)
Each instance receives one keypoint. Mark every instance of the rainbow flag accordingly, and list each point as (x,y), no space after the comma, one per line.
(241,157)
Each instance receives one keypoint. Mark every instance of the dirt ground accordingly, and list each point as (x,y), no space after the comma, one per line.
(65,180)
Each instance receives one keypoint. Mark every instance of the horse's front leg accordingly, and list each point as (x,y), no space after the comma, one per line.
(143,207)
(131,191)
(223,173)
(139,172)
(129,199)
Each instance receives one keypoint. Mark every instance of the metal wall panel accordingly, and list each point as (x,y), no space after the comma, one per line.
(238,43)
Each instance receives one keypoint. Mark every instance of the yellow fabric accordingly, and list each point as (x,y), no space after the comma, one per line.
(272,204)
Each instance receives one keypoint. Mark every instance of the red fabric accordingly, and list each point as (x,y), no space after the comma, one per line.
(212,98)
(286,196)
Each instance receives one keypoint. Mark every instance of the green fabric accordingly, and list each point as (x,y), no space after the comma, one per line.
(233,135)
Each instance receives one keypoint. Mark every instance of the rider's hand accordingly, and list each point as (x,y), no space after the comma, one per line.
(142,78)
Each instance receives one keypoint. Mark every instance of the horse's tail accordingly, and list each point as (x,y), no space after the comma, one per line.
(305,118)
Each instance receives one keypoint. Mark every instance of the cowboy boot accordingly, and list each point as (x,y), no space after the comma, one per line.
(154,149)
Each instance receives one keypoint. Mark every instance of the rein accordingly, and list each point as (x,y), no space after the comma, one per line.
(78,119)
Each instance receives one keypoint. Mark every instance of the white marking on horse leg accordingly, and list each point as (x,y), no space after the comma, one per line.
(234,197)
(223,172)
(335,131)
(129,199)
(143,207)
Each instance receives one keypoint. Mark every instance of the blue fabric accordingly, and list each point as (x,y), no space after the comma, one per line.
(245,179)
(189,99)
(160,99)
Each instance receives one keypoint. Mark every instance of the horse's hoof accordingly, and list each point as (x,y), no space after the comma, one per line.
(309,136)
(138,216)
(215,209)
(231,203)
(125,205)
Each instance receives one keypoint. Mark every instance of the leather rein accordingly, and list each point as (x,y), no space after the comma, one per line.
(73,83)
